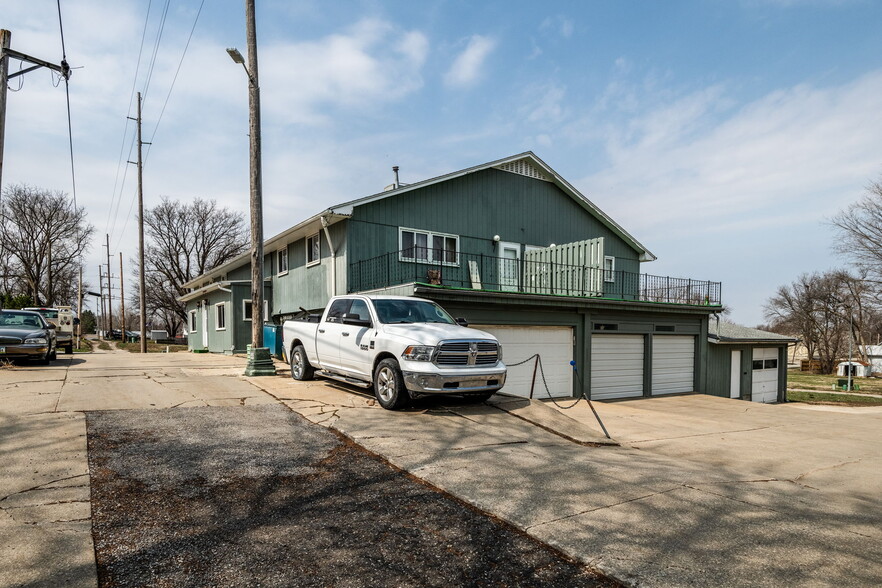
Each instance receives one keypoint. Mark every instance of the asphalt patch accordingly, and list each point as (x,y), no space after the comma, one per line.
(258,496)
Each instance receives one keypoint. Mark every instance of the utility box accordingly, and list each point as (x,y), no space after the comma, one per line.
(272,338)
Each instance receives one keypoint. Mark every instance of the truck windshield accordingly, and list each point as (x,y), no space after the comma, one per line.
(410,311)
(49,313)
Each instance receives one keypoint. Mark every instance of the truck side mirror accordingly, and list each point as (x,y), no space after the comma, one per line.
(355,320)
(462,322)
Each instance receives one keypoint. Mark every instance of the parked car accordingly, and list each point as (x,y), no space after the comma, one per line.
(404,347)
(64,320)
(26,335)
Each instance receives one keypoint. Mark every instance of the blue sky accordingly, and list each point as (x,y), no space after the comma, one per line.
(721,134)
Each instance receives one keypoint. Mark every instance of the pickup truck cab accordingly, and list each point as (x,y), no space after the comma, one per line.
(403,347)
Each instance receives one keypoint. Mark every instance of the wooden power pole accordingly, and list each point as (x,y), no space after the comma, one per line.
(103,323)
(122,299)
(109,291)
(256,182)
(142,301)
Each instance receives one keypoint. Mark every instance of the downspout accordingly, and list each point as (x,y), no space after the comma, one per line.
(327,233)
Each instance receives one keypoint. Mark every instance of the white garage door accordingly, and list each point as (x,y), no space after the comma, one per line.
(616,366)
(555,347)
(673,364)
(765,375)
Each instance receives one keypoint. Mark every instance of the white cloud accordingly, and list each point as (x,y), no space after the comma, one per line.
(467,66)
(559,24)
(372,63)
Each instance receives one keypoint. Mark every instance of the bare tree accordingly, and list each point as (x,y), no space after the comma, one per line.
(813,308)
(186,240)
(42,238)
(860,232)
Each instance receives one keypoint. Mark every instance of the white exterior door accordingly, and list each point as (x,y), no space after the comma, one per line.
(205,326)
(765,375)
(735,377)
(553,344)
(673,364)
(616,366)
(509,266)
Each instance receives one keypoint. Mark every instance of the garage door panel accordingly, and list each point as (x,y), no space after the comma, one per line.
(673,364)
(765,381)
(553,344)
(616,366)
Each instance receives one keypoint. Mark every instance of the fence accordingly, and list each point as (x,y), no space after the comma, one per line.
(487,272)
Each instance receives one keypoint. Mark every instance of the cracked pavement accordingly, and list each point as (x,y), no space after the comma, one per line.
(702,490)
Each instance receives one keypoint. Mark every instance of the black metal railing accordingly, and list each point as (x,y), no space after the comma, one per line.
(487,272)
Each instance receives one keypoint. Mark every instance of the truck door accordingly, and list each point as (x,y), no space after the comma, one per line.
(329,333)
(355,351)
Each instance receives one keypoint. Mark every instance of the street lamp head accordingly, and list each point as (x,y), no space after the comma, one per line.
(235,55)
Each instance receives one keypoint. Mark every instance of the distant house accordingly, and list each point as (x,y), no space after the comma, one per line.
(874,358)
(514,248)
(747,363)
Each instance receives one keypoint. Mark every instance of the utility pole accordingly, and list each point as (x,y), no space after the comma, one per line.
(5,40)
(5,54)
(256,180)
(103,322)
(109,291)
(79,328)
(122,299)
(142,303)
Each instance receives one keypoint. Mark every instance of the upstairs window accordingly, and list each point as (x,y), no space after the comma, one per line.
(313,250)
(282,259)
(609,268)
(427,247)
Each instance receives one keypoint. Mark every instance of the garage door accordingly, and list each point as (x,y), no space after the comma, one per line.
(673,364)
(553,344)
(616,366)
(765,375)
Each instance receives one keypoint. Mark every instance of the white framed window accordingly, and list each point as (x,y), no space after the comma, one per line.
(193,322)
(313,250)
(247,314)
(282,261)
(609,268)
(424,246)
(220,316)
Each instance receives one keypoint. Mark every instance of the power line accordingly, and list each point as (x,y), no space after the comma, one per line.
(118,199)
(175,79)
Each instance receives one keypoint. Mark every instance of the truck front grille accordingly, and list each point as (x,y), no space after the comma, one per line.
(467,353)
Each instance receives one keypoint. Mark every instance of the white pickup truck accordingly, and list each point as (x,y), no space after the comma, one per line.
(404,347)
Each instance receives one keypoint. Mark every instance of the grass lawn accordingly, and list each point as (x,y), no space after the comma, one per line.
(151,347)
(825,398)
(807,381)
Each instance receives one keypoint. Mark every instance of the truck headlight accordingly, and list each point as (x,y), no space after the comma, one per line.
(36,341)
(419,353)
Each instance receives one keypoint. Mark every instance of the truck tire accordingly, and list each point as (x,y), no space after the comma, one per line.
(389,385)
(68,349)
(300,368)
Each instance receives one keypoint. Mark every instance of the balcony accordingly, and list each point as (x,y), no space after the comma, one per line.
(469,271)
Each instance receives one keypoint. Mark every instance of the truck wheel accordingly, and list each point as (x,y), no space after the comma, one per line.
(68,349)
(389,385)
(300,368)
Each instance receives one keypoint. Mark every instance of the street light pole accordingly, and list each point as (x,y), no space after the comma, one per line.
(259,361)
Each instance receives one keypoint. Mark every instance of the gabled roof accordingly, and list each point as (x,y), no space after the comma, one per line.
(526,163)
(540,170)
(732,333)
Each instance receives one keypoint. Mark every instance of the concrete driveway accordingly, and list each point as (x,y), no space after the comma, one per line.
(702,491)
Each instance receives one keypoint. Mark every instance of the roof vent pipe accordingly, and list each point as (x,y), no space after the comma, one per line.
(395,171)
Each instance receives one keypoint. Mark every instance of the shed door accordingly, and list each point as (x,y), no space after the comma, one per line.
(616,366)
(509,266)
(765,374)
(673,364)
(553,344)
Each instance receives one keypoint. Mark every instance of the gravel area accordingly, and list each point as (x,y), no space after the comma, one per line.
(258,496)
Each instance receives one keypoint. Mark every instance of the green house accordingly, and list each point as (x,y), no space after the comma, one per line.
(512,247)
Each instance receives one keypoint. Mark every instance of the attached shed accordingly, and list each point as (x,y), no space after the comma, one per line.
(746,363)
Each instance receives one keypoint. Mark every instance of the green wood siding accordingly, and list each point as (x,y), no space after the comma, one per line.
(310,287)
(476,207)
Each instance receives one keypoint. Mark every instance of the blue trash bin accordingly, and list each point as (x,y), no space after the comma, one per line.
(272,338)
